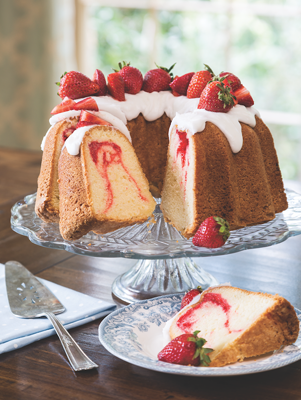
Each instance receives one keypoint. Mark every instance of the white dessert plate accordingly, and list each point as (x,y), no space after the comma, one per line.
(134,334)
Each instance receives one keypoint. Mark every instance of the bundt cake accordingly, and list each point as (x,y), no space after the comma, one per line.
(238,323)
(201,162)
(103,188)
(239,181)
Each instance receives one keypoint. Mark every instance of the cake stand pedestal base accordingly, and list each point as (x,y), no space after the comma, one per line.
(152,278)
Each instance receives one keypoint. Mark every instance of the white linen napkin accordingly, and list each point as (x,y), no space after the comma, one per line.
(18,332)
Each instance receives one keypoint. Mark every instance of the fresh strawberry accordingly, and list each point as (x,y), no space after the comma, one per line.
(76,85)
(190,295)
(157,80)
(212,233)
(244,97)
(86,118)
(86,104)
(216,97)
(231,79)
(181,83)
(66,105)
(99,78)
(198,82)
(132,77)
(186,349)
(116,86)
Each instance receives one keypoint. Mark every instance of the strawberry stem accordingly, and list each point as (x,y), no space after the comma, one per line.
(201,351)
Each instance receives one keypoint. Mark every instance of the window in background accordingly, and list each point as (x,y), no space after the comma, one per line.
(258,42)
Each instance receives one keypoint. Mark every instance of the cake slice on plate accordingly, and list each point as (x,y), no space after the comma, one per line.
(238,323)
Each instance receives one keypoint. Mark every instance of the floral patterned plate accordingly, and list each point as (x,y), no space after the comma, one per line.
(134,334)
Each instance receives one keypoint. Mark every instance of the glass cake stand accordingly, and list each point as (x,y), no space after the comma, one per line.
(164,263)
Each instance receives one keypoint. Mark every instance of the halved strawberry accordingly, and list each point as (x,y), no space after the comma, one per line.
(99,78)
(87,118)
(116,86)
(181,83)
(198,82)
(66,105)
(86,104)
(231,79)
(244,97)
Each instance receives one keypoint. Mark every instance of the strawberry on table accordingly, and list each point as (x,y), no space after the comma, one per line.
(99,78)
(198,82)
(116,86)
(186,349)
(212,233)
(157,80)
(132,77)
(243,97)
(75,85)
(216,97)
(189,296)
(180,84)
(232,80)
(86,118)
(66,105)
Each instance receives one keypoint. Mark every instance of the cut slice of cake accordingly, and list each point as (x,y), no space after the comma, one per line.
(237,323)
(47,201)
(103,188)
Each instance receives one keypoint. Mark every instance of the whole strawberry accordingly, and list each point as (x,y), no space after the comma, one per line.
(132,77)
(186,349)
(180,84)
(99,78)
(231,79)
(198,82)
(216,97)
(116,86)
(76,85)
(189,296)
(157,80)
(212,233)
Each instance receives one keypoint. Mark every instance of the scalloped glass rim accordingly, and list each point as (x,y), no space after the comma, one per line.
(155,239)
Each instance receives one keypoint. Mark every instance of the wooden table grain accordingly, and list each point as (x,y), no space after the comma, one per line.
(40,370)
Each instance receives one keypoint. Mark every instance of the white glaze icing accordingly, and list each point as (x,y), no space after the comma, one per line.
(228,123)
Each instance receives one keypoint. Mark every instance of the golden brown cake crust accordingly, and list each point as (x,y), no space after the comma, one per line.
(278,326)
(47,201)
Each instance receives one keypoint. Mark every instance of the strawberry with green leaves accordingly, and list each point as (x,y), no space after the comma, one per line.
(198,82)
(86,118)
(212,233)
(75,85)
(189,296)
(186,349)
(132,77)
(216,97)
(158,79)
(232,80)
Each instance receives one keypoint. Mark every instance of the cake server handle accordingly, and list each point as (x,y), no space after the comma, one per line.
(78,359)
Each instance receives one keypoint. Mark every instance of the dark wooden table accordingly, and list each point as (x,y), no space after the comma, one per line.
(40,370)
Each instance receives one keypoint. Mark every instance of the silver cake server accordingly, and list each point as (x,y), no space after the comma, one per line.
(29,298)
